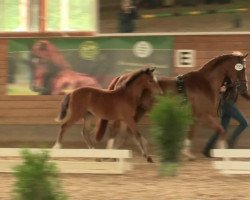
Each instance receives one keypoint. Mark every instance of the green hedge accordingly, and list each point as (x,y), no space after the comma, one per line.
(171,117)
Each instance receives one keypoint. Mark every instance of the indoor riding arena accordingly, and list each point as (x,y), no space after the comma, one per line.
(50,50)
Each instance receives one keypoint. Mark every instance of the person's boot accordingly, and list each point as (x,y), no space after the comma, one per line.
(206,153)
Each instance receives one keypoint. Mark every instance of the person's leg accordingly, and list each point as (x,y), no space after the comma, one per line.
(225,119)
(237,115)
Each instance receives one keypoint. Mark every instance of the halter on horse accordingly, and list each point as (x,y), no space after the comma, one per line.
(201,89)
(119,104)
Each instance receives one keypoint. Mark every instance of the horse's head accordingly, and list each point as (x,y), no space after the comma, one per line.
(42,49)
(46,63)
(237,71)
(146,79)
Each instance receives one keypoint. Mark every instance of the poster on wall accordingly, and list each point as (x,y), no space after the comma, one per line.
(60,65)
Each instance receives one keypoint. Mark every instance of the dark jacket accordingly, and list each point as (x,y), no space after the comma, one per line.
(231,93)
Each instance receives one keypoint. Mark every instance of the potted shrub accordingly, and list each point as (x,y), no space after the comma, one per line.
(37,178)
(171,117)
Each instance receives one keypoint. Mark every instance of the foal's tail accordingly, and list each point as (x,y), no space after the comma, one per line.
(64,108)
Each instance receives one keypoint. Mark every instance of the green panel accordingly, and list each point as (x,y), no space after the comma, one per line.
(99,57)
(158,42)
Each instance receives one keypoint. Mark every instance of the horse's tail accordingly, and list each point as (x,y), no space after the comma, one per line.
(102,126)
(64,108)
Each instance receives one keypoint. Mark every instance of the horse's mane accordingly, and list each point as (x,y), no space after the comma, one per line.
(134,76)
(212,64)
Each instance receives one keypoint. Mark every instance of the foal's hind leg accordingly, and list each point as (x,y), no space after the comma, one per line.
(64,127)
(58,144)
(72,119)
(86,137)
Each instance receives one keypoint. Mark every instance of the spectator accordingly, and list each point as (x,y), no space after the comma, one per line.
(126,17)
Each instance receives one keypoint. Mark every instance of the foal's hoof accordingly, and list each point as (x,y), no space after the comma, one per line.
(149,160)
(192,158)
(57,146)
(189,155)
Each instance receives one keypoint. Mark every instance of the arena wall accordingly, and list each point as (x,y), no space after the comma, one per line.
(22,112)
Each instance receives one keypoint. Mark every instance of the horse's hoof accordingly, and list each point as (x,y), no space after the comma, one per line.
(57,146)
(189,155)
(150,160)
(192,158)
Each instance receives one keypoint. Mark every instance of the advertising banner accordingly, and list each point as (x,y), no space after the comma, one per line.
(59,65)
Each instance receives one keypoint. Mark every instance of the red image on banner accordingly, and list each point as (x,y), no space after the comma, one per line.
(52,73)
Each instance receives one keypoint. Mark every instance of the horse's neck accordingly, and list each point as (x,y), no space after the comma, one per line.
(214,72)
(134,91)
(214,76)
(168,84)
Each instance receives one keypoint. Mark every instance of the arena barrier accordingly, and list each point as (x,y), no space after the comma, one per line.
(74,160)
(234,161)
(237,21)
(194,12)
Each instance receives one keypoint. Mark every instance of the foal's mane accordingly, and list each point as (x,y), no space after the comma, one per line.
(134,76)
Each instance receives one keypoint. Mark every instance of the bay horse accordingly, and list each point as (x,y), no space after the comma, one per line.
(119,104)
(201,88)
(52,73)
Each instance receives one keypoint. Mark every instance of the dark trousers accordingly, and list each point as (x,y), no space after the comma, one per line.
(229,110)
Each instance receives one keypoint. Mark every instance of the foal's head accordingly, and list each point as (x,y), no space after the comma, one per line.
(145,79)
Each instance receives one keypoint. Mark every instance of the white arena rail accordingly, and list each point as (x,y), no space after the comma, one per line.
(74,160)
(233,161)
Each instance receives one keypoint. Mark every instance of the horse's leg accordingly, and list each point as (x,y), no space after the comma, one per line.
(58,143)
(73,118)
(64,127)
(86,136)
(123,130)
(87,124)
(218,128)
(113,130)
(118,126)
(114,141)
(188,143)
(139,139)
(142,143)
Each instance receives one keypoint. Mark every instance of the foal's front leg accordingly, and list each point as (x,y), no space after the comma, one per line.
(140,140)
(113,130)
